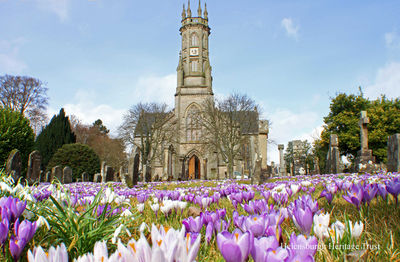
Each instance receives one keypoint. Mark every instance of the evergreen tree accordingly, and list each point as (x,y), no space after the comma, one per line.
(57,133)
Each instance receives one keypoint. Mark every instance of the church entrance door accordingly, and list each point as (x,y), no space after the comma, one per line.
(194,167)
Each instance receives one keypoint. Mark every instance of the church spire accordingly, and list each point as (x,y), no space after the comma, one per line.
(205,11)
(183,12)
(199,10)
(189,12)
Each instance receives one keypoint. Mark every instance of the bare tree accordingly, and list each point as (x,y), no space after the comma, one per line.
(146,126)
(38,119)
(227,124)
(20,93)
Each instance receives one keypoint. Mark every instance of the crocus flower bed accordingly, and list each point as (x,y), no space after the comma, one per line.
(302,218)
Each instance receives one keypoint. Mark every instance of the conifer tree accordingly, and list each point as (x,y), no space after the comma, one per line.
(57,133)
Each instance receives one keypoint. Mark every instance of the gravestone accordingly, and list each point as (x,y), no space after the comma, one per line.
(103,171)
(393,158)
(273,173)
(48,177)
(282,168)
(85,177)
(56,173)
(333,156)
(97,178)
(365,161)
(67,175)
(257,177)
(109,174)
(33,172)
(316,166)
(13,165)
(135,175)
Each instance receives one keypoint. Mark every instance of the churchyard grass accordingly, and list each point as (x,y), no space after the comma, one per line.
(291,210)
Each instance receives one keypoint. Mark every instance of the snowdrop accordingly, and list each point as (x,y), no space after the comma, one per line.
(118,232)
(41,221)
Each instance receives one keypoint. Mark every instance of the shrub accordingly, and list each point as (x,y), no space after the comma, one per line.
(15,133)
(81,158)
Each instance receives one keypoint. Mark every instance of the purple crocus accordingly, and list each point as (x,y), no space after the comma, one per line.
(16,246)
(193,224)
(277,255)
(209,231)
(256,225)
(303,219)
(235,246)
(261,246)
(369,192)
(393,187)
(327,195)
(302,248)
(382,191)
(4,228)
(25,229)
(354,195)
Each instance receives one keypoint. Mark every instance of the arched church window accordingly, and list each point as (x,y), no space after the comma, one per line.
(193,126)
(194,66)
(204,41)
(195,40)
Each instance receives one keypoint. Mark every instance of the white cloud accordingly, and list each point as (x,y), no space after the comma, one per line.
(291,29)
(88,111)
(58,7)
(10,63)
(159,89)
(392,40)
(288,125)
(387,82)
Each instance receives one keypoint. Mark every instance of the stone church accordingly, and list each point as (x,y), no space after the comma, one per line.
(186,158)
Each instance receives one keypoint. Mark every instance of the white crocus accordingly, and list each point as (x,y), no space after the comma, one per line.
(140,207)
(336,230)
(321,225)
(41,221)
(126,213)
(357,229)
(54,254)
(295,188)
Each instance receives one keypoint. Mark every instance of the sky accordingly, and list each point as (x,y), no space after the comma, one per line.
(100,57)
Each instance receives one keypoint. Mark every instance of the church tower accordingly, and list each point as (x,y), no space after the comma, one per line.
(194,87)
(194,79)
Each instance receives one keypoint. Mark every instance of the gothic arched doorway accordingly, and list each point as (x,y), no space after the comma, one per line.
(194,167)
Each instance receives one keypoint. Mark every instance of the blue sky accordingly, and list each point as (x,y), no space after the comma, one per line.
(100,57)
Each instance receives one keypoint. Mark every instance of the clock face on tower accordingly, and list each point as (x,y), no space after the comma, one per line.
(194,51)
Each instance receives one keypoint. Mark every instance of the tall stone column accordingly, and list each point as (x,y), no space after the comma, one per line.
(282,168)
(333,157)
(365,160)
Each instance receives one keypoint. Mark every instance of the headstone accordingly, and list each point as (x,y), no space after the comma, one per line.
(98,178)
(48,177)
(135,175)
(365,161)
(333,156)
(393,156)
(33,172)
(14,164)
(85,177)
(103,171)
(273,173)
(109,174)
(282,167)
(257,172)
(67,175)
(56,173)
